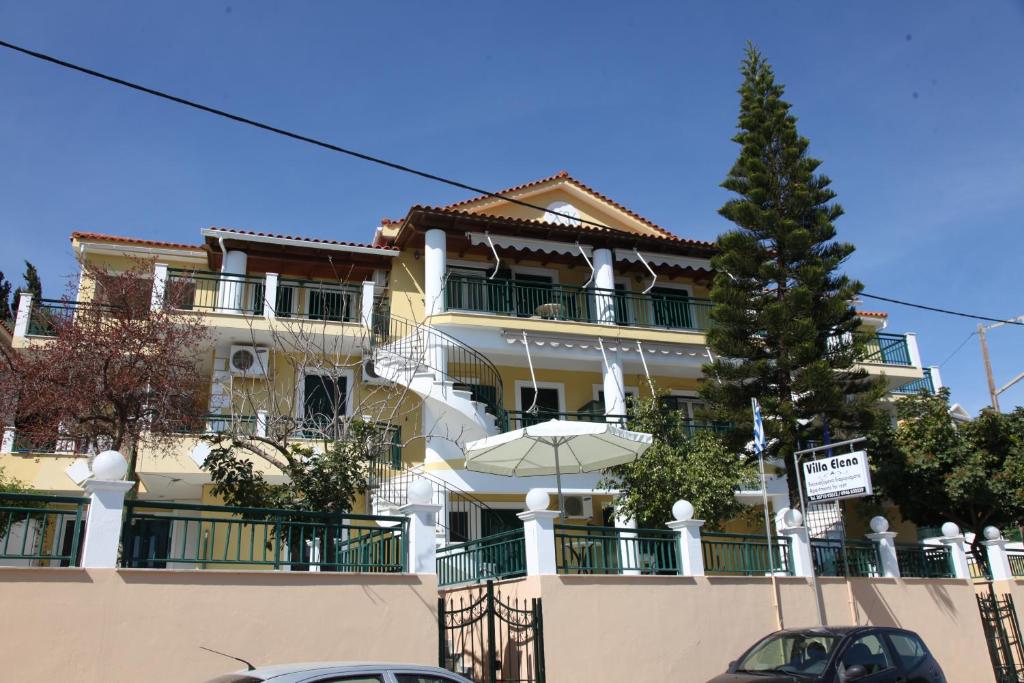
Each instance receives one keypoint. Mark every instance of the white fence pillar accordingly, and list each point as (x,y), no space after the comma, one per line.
(954,540)
(422,514)
(369,291)
(7,445)
(103,523)
(998,558)
(691,557)
(435,264)
(886,542)
(539,534)
(799,549)
(23,315)
(270,296)
(159,293)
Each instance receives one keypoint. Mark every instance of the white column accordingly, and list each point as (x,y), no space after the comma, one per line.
(912,350)
(691,558)
(954,540)
(159,294)
(886,542)
(998,559)
(7,445)
(799,549)
(23,315)
(262,420)
(369,291)
(539,534)
(936,378)
(231,289)
(270,296)
(604,279)
(614,387)
(103,523)
(435,265)
(627,543)
(422,514)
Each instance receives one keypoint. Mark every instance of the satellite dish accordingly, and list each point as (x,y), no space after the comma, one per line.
(562,208)
(200,453)
(78,472)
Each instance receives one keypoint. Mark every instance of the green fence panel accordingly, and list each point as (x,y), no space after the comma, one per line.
(498,556)
(614,550)
(745,554)
(41,530)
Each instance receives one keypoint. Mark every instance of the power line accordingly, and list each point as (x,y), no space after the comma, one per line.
(943,310)
(957,349)
(384,162)
(290,134)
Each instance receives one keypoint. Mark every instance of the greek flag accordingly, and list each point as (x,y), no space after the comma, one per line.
(758,427)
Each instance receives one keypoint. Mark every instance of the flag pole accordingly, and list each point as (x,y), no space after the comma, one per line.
(759,443)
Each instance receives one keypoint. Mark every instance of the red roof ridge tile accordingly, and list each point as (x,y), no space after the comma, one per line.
(873,314)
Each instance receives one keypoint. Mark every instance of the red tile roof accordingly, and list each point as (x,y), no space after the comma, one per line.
(872,314)
(564,175)
(101,237)
(293,237)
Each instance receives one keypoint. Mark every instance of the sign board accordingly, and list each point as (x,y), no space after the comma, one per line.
(841,476)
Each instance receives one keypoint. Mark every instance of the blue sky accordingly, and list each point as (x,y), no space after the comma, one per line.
(916,109)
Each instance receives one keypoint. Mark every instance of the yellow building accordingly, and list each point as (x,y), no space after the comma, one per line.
(452,324)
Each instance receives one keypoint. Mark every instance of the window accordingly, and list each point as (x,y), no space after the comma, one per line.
(671,308)
(360,678)
(423,678)
(458,526)
(391,445)
(547,408)
(324,400)
(868,652)
(333,305)
(532,292)
(798,653)
(908,648)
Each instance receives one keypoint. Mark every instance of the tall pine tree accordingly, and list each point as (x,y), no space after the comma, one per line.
(784,324)
(33,285)
(5,298)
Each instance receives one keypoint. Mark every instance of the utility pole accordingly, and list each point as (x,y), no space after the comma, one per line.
(993,394)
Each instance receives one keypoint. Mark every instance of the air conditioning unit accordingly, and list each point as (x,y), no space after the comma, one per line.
(370,376)
(579,507)
(249,361)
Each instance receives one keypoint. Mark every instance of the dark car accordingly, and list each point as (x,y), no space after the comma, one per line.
(871,654)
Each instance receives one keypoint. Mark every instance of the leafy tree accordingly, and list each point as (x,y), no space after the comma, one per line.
(33,285)
(10,484)
(937,470)
(784,325)
(114,375)
(698,468)
(327,481)
(5,298)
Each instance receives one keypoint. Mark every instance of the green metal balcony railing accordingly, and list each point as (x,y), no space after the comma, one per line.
(861,558)
(1016,563)
(745,554)
(157,535)
(197,290)
(316,300)
(613,550)
(924,561)
(886,349)
(521,418)
(498,556)
(47,315)
(917,385)
(216,423)
(37,529)
(664,308)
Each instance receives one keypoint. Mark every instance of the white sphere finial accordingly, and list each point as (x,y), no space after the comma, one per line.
(109,466)
(992,533)
(792,518)
(537,500)
(682,510)
(420,492)
(879,524)
(949,530)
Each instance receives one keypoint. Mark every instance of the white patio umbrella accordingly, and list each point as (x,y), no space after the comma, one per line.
(556,447)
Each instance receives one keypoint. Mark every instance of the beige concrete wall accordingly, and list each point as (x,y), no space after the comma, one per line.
(109,626)
(613,628)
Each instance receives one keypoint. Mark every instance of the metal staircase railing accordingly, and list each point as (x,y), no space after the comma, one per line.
(418,345)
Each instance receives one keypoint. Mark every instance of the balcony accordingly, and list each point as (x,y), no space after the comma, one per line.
(518,299)
(887,349)
(927,383)
(593,411)
(239,294)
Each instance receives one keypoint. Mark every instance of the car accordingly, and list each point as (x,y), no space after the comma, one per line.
(342,672)
(872,654)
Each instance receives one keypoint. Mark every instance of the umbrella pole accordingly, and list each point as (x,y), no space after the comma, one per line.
(558,480)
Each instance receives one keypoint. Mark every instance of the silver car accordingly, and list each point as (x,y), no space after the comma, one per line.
(338,672)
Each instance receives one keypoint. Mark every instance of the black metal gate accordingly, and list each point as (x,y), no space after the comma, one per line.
(490,639)
(1002,631)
